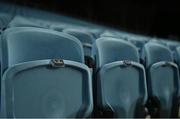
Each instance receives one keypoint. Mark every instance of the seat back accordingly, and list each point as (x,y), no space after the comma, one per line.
(163,77)
(172,44)
(19,21)
(47,89)
(112,49)
(154,52)
(28,44)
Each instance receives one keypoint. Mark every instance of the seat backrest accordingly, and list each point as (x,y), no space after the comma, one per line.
(44,89)
(154,52)
(19,21)
(172,44)
(26,44)
(83,35)
(112,49)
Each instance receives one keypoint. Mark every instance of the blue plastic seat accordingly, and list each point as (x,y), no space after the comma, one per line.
(162,80)
(22,48)
(121,82)
(172,44)
(19,21)
(48,89)
(23,44)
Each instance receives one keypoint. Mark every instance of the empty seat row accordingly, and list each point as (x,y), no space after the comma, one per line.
(86,36)
(19,21)
(137,40)
(121,79)
(44,70)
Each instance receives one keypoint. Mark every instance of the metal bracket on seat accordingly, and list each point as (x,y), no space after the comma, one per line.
(127,62)
(57,63)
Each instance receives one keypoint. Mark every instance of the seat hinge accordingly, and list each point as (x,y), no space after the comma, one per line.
(57,63)
(127,62)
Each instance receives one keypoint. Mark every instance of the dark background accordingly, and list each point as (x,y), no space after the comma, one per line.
(150,17)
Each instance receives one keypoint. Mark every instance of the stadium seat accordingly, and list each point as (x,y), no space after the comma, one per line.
(162,80)
(23,44)
(48,89)
(86,39)
(121,82)
(172,44)
(24,48)
(19,21)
